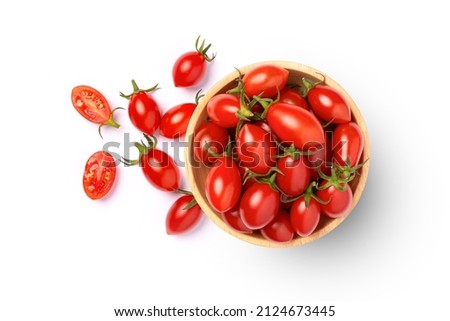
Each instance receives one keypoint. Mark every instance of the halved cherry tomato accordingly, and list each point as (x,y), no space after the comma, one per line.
(292,97)
(328,104)
(143,110)
(295,175)
(93,106)
(183,216)
(304,218)
(256,149)
(280,229)
(211,136)
(338,202)
(99,175)
(222,110)
(348,141)
(259,205)
(190,67)
(296,125)
(223,184)
(233,219)
(266,79)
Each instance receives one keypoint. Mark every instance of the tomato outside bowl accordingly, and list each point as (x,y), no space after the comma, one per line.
(196,172)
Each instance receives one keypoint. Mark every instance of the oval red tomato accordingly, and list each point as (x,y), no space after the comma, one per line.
(266,79)
(176,120)
(233,219)
(181,219)
(295,175)
(259,205)
(348,141)
(305,219)
(280,229)
(328,104)
(99,175)
(296,125)
(212,136)
(222,110)
(256,149)
(223,184)
(338,202)
(292,97)
(160,170)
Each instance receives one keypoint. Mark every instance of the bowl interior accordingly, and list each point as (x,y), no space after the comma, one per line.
(196,172)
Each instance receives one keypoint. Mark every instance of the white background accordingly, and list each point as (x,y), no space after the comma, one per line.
(65,257)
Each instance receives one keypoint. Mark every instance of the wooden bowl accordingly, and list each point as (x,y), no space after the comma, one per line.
(197,174)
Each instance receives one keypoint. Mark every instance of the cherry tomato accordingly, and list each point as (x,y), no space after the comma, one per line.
(304,218)
(176,120)
(296,175)
(93,106)
(348,143)
(182,216)
(280,229)
(296,125)
(233,219)
(190,67)
(256,149)
(99,175)
(223,184)
(259,205)
(328,104)
(222,110)
(143,110)
(160,170)
(339,202)
(292,97)
(212,136)
(266,79)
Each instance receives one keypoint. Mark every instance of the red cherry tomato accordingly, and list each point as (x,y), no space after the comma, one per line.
(297,175)
(266,79)
(256,149)
(99,175)
(160,170)
(296,125)
(143,110)
(212,136)
(339,202)
(181,219)
(348,143)
(223,184)
(292,97)
(222,110)
(259,205)
(304,218)
(93,106)
(176,120)
(328,104)
(280,229)
(190,67)
(233,219)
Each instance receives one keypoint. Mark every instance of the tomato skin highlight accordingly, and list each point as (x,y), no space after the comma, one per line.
(181,220)
(304,218)
(348,143)
(189,69)
(222,110)
(144,112)
(292,97)
(223,185)
(339,202)
(160,170)
(256,149)
(328,104)
(259,205)
(233,219)
(297,175)
(175,121)
(99,175)
(297,125)
(267,79)
(279,229)
(212,136)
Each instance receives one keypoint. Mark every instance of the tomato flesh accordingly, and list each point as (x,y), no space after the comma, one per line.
(91,104)
(99,175)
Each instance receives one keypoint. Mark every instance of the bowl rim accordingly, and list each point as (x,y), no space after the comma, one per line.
(250,238)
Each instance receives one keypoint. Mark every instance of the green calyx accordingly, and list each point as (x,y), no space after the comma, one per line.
(143,149)
(201,49)
(136,90)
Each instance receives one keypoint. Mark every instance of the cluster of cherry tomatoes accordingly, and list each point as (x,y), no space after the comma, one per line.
(158,167)
(280,155)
